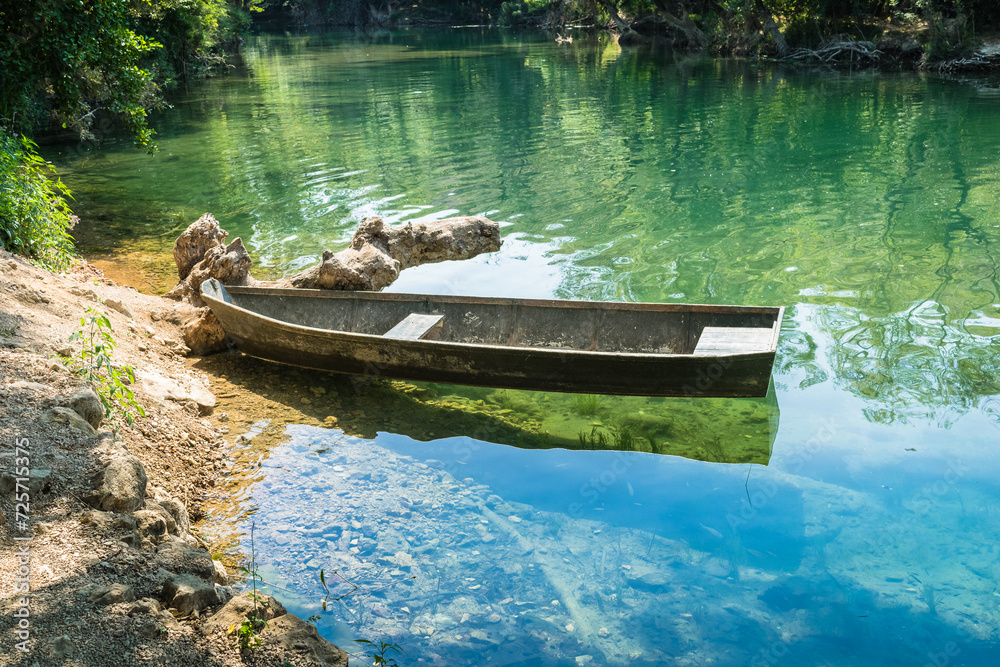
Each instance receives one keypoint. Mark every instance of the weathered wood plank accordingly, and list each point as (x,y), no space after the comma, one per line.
(733,340)
(414,327)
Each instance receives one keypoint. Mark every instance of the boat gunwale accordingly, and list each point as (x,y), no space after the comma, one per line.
(506,301)
(458,346)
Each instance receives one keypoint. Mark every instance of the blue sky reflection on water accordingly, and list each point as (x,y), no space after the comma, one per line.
(847,549)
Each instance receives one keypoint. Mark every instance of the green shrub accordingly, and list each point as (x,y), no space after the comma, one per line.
(34,217)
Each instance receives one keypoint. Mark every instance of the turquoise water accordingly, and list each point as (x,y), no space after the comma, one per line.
(868,204)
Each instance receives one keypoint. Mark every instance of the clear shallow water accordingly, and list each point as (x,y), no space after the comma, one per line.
(867,204)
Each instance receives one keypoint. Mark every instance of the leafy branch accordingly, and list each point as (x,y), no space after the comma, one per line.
(95,363)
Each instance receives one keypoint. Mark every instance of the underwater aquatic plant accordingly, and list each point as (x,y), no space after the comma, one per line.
(587,405)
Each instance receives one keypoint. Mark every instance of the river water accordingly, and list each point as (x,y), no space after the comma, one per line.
(859,529)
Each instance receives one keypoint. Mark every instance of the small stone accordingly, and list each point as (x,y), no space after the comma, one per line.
(603,632)
(112,594)
(115,304)
(305,401)
(584,659)
(330,421)
(570,627)
(59,648)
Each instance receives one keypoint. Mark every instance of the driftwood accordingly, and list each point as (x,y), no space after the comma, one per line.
(839,52)
(377,254)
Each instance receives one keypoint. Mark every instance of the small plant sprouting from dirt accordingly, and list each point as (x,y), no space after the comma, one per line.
(248,632)
(95,363)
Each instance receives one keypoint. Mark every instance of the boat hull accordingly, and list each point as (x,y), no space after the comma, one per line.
(502,366)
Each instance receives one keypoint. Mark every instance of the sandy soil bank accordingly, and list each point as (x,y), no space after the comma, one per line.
(115,568)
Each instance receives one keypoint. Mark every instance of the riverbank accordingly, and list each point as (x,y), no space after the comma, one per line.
(111,549)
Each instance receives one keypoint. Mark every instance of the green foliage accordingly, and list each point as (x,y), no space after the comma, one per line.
(73,58)
(34,218)
(95,363)
(377,652)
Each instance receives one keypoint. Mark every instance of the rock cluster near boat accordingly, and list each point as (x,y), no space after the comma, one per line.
(374,260)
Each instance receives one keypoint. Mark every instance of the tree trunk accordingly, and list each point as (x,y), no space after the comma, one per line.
(626,34)
(771,28)
(693,33)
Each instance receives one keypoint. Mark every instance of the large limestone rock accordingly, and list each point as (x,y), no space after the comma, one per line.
(229,264)
(120,487)
(301,639)
(239,609)
(191,246)
(203,333)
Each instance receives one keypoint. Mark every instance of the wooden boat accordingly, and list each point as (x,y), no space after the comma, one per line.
(640,349)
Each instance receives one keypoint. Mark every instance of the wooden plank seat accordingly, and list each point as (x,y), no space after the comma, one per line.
(414,327)
(733,340)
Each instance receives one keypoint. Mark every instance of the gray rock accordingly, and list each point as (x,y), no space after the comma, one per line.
(108,521)
(69,419)
(59,648)
(175,508)
(168,518)
(145,606)
(301,640)
(152,526)
(112,594)
(86,404)
(121,486)
(39,480)
(189,594)
(22,385)
(181,558)
(239,609)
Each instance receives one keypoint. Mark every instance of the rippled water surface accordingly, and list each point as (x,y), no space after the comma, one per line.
(860,530)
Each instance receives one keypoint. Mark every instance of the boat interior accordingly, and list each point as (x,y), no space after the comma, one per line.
(576,325)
